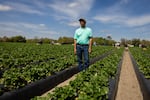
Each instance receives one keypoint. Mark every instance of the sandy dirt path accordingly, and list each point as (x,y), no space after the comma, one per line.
(128,87)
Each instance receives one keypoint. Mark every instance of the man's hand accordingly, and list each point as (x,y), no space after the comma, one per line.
(90,50)
(75,51)
(90,45)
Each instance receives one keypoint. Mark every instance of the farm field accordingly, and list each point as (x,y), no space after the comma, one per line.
(91,84)
(74,49)
(22,64)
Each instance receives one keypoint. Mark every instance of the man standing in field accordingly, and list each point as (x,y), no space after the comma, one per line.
(83,44)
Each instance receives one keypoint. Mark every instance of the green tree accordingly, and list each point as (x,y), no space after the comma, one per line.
(136,42)
(65,40)
(18,39)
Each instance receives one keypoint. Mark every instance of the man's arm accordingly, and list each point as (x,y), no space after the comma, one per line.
(90,45)
(75,46)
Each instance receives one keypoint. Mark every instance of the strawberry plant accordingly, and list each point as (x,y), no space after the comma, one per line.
(21,54)
(91,84)
(142,60)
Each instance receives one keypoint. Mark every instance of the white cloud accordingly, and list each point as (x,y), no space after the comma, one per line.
(108,18)
(119,7)
(26,29)
(73,4)
(138,21)
(73,9)
(124,1)
(59,17)
(74,24)
(42,25)
(5,8)
(69,11)
(117,15)
(124,20)
(24,8)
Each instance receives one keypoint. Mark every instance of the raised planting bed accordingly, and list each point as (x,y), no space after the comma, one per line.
(92,83)
(143,81)
(39,87)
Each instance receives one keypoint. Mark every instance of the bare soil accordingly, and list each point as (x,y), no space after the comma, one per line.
(128,88)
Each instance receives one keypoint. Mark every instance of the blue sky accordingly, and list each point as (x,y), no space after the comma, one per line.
(54,18)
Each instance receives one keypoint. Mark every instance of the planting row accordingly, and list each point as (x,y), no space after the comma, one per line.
(20,54)
(91,84)
(16,78)
(142,60)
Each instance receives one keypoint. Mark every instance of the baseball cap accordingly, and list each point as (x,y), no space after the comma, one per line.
(81,19)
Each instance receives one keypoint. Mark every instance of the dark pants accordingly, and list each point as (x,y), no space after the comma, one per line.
(82,51)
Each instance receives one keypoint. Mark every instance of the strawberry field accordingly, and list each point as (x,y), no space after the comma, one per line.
(23,64)
(91,84)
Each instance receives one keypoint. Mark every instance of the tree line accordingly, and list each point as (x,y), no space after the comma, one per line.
(69,40)
(61,40)
(135,42)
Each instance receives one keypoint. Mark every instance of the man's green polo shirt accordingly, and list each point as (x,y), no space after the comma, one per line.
(83,35)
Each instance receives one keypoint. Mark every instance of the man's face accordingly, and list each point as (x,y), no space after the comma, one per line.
(82,23)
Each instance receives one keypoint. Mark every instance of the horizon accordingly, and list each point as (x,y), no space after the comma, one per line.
(52,19)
